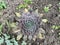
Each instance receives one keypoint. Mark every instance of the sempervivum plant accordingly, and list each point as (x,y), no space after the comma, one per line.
(29,23)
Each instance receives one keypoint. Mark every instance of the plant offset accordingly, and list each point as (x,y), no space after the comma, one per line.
(29,22)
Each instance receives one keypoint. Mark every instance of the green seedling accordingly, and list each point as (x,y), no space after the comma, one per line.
(46,9)
(28,1)
(25,5)
(2,5)
(22,6)
(55,27)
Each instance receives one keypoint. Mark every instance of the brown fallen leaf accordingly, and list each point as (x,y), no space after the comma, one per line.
(41,36)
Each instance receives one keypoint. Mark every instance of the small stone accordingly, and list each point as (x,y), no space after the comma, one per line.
(25,37)
(30,37)
(26,10)
(59,33)
(29,43)
(41,15)
(34,38)
(50,5)
(44,20)
(52,31)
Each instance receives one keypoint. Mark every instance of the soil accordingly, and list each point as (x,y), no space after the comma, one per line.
(52,36)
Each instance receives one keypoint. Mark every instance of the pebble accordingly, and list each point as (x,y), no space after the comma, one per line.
(30,37)
(25,37)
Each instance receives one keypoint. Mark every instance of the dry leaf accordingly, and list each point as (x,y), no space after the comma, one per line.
(17,14)
(40,36)
(19,37)
(15,31)
(13,24)
(26,10)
